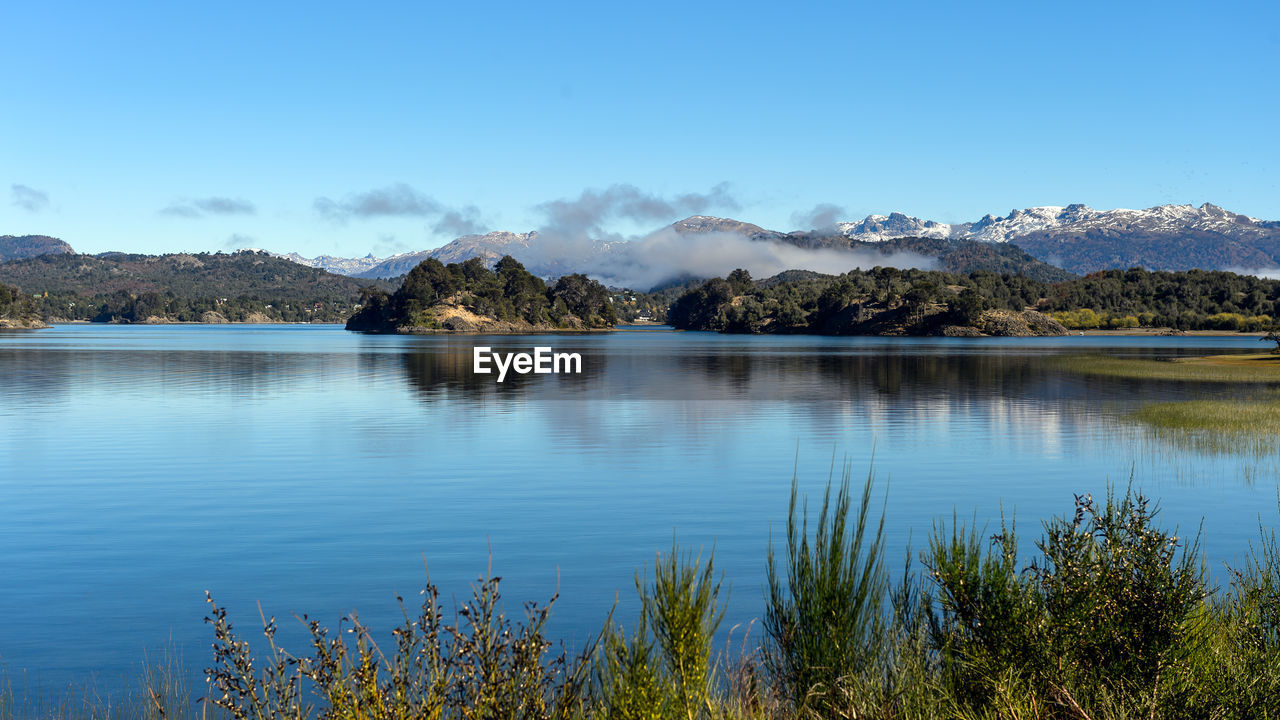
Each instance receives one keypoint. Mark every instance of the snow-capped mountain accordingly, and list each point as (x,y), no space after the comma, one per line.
(1081,239)
(1077,238)
(351,267)
(696,224)
(1063,219)
(875,228)
(491,247)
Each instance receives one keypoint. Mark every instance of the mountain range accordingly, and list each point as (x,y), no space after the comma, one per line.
(1076,238)
(1048,243)
(490,247)
(1081,239)
(1050,218)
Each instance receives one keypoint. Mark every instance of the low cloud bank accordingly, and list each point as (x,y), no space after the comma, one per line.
(1264,273)
(573,239)
(666,254)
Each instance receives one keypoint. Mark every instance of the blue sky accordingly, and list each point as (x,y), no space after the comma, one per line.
(385,127)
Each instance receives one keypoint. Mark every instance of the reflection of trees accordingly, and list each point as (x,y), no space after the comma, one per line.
(891,384)
(662,390)
(438,371)
(446,369)
(803,376)
(34,375)
(46,373)
(792,374)
(906,372)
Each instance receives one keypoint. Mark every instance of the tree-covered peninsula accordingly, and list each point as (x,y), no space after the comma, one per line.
(889,301)
(17,311)
(881,301)
(470,298)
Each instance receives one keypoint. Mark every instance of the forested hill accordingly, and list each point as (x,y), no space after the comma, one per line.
(888,301)
(469,297)
(239,286)
(17,310)
(1185,300)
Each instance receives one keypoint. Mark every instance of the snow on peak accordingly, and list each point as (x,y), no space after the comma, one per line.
(1051,218)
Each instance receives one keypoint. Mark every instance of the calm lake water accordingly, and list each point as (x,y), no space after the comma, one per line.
(314,470)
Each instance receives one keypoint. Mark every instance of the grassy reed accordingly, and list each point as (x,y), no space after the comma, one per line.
(1113,617)
(1236,428)
(1260,368)
(159,693)
(1224,416)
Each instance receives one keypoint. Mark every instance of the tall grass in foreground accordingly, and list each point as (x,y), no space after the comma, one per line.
(664,670)
(824,617)
(481,664)
(1113,617)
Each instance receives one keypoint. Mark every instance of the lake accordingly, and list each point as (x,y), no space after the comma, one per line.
(314,470)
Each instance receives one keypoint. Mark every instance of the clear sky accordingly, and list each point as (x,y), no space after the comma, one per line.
(384,127)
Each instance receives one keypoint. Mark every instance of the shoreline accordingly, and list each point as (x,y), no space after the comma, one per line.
(1163,332)
(1125,332)
(532,331)
(190,322)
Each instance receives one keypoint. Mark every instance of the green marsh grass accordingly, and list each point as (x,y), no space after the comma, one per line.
(1241,426)
(1263,368)
(160,692)
(1185,459)
(1244,428)
(1222,416)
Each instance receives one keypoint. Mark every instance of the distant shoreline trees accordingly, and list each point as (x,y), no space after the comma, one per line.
(16,306)
(508,293)
(929,300)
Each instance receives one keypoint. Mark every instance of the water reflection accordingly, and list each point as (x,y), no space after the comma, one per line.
(313,469)
(40,375)
(446,372)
